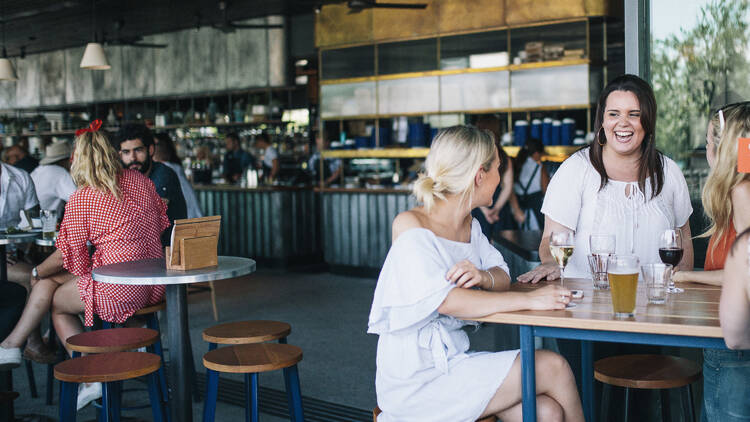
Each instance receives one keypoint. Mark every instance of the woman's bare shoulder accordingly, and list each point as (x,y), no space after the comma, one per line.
(411,219)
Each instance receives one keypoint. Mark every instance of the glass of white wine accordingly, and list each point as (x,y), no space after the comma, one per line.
(561,245)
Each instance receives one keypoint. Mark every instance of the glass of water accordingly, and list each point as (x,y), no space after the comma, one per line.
(49,223)
(657,278)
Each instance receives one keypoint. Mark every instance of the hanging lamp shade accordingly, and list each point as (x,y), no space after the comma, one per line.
(94,57)
(7,71)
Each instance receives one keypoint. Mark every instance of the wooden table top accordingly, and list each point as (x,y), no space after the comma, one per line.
(695,312)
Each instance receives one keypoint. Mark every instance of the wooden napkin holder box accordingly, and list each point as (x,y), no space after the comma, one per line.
(194,244)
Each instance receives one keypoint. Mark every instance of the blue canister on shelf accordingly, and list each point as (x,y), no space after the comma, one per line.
(556,129)
(520,132)
(568,130)
(547,131)
(536,128)
(415,136)
(385,136)
(362,141)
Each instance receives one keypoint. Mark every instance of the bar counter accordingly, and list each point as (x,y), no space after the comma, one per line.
(274,225)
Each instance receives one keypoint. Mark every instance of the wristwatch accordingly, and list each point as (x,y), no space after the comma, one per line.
(35,273)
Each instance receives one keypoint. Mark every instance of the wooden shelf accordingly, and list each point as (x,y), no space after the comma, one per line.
(555,153)
(165,127)
(563,107)
(512,68)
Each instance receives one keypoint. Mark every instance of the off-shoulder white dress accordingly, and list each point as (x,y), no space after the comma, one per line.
(424,369)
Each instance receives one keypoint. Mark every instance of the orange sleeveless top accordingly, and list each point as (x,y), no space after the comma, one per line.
(715,260)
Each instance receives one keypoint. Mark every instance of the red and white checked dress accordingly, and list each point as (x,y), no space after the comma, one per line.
(121,230)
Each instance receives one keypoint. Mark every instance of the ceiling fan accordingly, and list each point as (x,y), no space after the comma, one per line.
(134,41)
(359,5)
(227,26)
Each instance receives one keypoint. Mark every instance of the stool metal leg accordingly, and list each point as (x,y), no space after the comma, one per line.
(115,400)
(212,390)
(211,346)
(68,399)
(50,383)
(106,402)
(251,397)
(293,393)
(30,378)
(666,413)
(606,391)
(157,409)
(686,396)
(627,404)
(153,323)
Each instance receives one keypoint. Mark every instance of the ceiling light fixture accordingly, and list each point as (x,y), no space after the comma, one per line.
(94,57)
(7,71)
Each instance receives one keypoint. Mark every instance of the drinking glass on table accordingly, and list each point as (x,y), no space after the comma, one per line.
(561,246)
(622,271)
(657,278)
(670,252)
(601,247)
(49,223)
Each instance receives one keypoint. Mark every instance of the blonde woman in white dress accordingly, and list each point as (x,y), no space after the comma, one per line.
(441,270)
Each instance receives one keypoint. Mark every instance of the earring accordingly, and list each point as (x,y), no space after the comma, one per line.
(599,138)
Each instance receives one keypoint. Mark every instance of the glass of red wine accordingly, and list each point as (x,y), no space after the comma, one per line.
(670,252)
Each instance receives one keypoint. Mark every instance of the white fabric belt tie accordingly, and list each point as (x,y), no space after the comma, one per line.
(435,337)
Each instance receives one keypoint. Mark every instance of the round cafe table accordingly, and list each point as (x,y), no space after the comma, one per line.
(154,272)
(13,239)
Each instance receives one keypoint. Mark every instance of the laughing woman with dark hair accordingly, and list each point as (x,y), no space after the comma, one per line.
(619,185)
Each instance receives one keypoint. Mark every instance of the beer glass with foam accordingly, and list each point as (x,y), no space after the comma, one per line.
(622,272)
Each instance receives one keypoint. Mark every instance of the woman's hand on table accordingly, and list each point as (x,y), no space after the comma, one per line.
(550,271)
(552,296)
(682,276)
(464,274)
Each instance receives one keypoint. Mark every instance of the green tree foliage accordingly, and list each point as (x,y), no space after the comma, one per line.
(696,70)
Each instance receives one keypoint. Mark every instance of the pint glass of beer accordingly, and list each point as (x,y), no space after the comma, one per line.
(622,271)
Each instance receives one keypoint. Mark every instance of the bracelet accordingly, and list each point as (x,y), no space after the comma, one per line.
(492,277)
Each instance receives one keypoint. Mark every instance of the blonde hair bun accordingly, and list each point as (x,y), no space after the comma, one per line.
(455,156)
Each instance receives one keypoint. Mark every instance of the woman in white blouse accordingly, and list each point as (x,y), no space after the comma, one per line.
(441,270)
(618,185)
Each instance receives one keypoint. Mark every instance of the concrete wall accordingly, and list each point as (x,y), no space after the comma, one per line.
(194,61)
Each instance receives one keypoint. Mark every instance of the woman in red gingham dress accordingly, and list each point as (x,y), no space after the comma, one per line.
(121,214)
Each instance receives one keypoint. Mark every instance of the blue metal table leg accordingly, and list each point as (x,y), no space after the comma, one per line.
(587,379)
(528,373)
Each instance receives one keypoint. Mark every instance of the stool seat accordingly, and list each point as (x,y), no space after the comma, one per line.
(8,396)
(252,358)
(107,367)
(653,372)
(377,411)
(246,332)
(112,340)
(151,309)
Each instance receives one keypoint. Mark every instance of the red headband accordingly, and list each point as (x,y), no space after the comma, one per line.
(93,127)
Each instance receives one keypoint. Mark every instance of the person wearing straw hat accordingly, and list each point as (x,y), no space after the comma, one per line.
(52,179)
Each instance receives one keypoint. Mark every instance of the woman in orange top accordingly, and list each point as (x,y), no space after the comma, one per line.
(726,201)
(728,217)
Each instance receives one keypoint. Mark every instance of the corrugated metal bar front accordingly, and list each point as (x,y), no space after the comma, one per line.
(269,224)
(356,226)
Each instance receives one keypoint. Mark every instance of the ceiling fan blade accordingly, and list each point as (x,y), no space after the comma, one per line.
(399,5)
(147,45)
(254,26)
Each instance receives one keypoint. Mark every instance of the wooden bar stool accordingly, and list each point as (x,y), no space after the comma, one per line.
(251,359)
(649,372)
(111,340)
(377,411)
(246,332)
(110,369)
(152,322)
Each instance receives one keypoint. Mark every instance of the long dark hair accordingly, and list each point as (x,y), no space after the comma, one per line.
(491,123)
(166,146)
(531,146)
(651,162)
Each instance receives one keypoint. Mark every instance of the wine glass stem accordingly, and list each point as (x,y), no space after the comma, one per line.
(562,276)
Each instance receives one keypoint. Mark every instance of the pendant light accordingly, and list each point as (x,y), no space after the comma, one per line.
(94,57)
(7,71)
